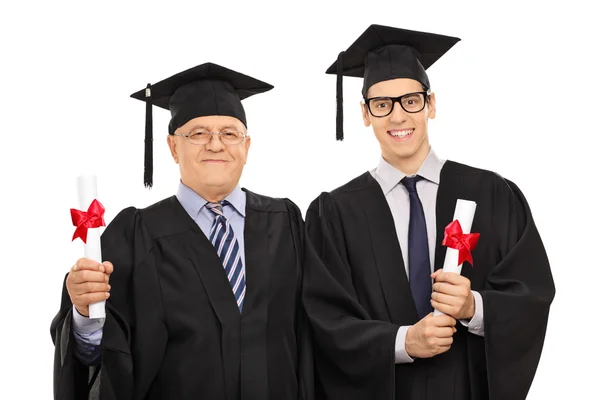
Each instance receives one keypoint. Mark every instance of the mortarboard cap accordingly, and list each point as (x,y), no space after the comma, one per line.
(207,89)
(382,53)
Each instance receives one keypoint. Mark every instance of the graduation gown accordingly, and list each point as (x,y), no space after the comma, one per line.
(173,329)
(359,296)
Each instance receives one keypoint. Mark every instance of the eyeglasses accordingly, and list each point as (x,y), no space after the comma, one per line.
(383,106)
(202,136)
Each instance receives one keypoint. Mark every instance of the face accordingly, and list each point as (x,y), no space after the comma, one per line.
(402,136)
(212,166)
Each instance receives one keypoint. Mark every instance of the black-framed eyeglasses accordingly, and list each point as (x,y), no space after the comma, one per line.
(202,136)
(410,102)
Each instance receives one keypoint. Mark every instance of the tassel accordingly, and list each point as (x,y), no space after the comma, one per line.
(339,134)
(148,167)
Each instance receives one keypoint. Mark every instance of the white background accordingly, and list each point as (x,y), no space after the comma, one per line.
(517,95)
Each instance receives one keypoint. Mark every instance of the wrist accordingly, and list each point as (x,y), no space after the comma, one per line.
(408,342)
(83,312)
(471,309)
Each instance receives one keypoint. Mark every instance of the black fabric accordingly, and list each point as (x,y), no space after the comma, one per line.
(204,90)
(382,53)
(173,329)
(353,232)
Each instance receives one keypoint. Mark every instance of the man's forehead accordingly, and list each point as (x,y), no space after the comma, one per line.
(216,122)
(395,87)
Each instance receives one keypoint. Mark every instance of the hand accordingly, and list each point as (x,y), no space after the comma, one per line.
(87,283)
(452,295)
(430,336)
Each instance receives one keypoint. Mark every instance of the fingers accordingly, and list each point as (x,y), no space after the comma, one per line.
(446,299)
(443,349)
(444,308)
(91,265)
(90,298)
(443,320)
(445,342)
(427,316)
(88,276)
(91,287)
(445,332)
(108,267)
(436,274)
(87,264)
(450,277)
(452,289)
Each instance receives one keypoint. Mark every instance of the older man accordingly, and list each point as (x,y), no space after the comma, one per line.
(204,289)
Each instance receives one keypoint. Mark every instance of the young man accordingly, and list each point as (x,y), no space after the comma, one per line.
(380,238)
(203,300)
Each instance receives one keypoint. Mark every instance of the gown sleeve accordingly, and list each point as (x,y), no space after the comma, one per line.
(354,354)
(516,299)
(125,367)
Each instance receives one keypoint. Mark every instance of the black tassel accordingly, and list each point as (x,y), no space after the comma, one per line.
(148,167)
(339,134)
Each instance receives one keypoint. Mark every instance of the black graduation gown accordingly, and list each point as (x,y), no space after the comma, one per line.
(173,329)
(357,302)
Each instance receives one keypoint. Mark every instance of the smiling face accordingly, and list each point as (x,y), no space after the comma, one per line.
(212,168)
(402,136)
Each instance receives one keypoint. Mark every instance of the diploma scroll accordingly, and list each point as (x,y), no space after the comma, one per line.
(464,213)
(87,192)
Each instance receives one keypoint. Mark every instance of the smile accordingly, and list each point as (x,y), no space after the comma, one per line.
(401,134)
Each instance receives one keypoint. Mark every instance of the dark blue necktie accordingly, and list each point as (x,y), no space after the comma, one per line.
(419,269)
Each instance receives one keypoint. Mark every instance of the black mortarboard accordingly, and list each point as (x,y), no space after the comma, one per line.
(382,53)
(207,89)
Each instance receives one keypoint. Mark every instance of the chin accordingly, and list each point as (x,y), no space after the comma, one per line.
(214,182)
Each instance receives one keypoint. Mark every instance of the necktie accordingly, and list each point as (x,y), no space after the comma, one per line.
(228,250)
(418,250)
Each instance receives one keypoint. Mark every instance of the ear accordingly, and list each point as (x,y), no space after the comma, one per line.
(173,147)
(432,106)
(247,144)
(365,114)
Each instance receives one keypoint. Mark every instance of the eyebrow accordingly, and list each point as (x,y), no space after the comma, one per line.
(228,126)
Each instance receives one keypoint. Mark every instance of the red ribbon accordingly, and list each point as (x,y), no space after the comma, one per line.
(92,218)
(463,242)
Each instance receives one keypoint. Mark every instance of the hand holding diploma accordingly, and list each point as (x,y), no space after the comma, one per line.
(87,283)
(451,291)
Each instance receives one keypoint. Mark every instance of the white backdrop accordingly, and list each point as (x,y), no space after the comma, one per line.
(517,95)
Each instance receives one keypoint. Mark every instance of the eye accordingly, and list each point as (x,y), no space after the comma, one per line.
(198,134)
(413,101)
(381,104)
(231,134)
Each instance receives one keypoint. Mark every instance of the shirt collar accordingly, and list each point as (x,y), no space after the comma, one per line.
(193,203)
(389,176)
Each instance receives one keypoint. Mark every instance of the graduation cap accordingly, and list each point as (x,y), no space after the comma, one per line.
(206,89)
(382,53)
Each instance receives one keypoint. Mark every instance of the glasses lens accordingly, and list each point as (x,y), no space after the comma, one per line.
(380,106)
(199,137)
(232,137)
(413,102)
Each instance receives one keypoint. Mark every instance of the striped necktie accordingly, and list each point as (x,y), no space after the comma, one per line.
(228,250)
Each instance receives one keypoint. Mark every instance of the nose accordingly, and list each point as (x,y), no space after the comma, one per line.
(215,144)
(398,115)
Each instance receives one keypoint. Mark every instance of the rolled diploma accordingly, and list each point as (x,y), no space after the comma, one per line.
(464,213)
(87,191)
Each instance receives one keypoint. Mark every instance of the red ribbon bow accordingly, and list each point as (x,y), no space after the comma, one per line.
(463,242)
(92,218)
